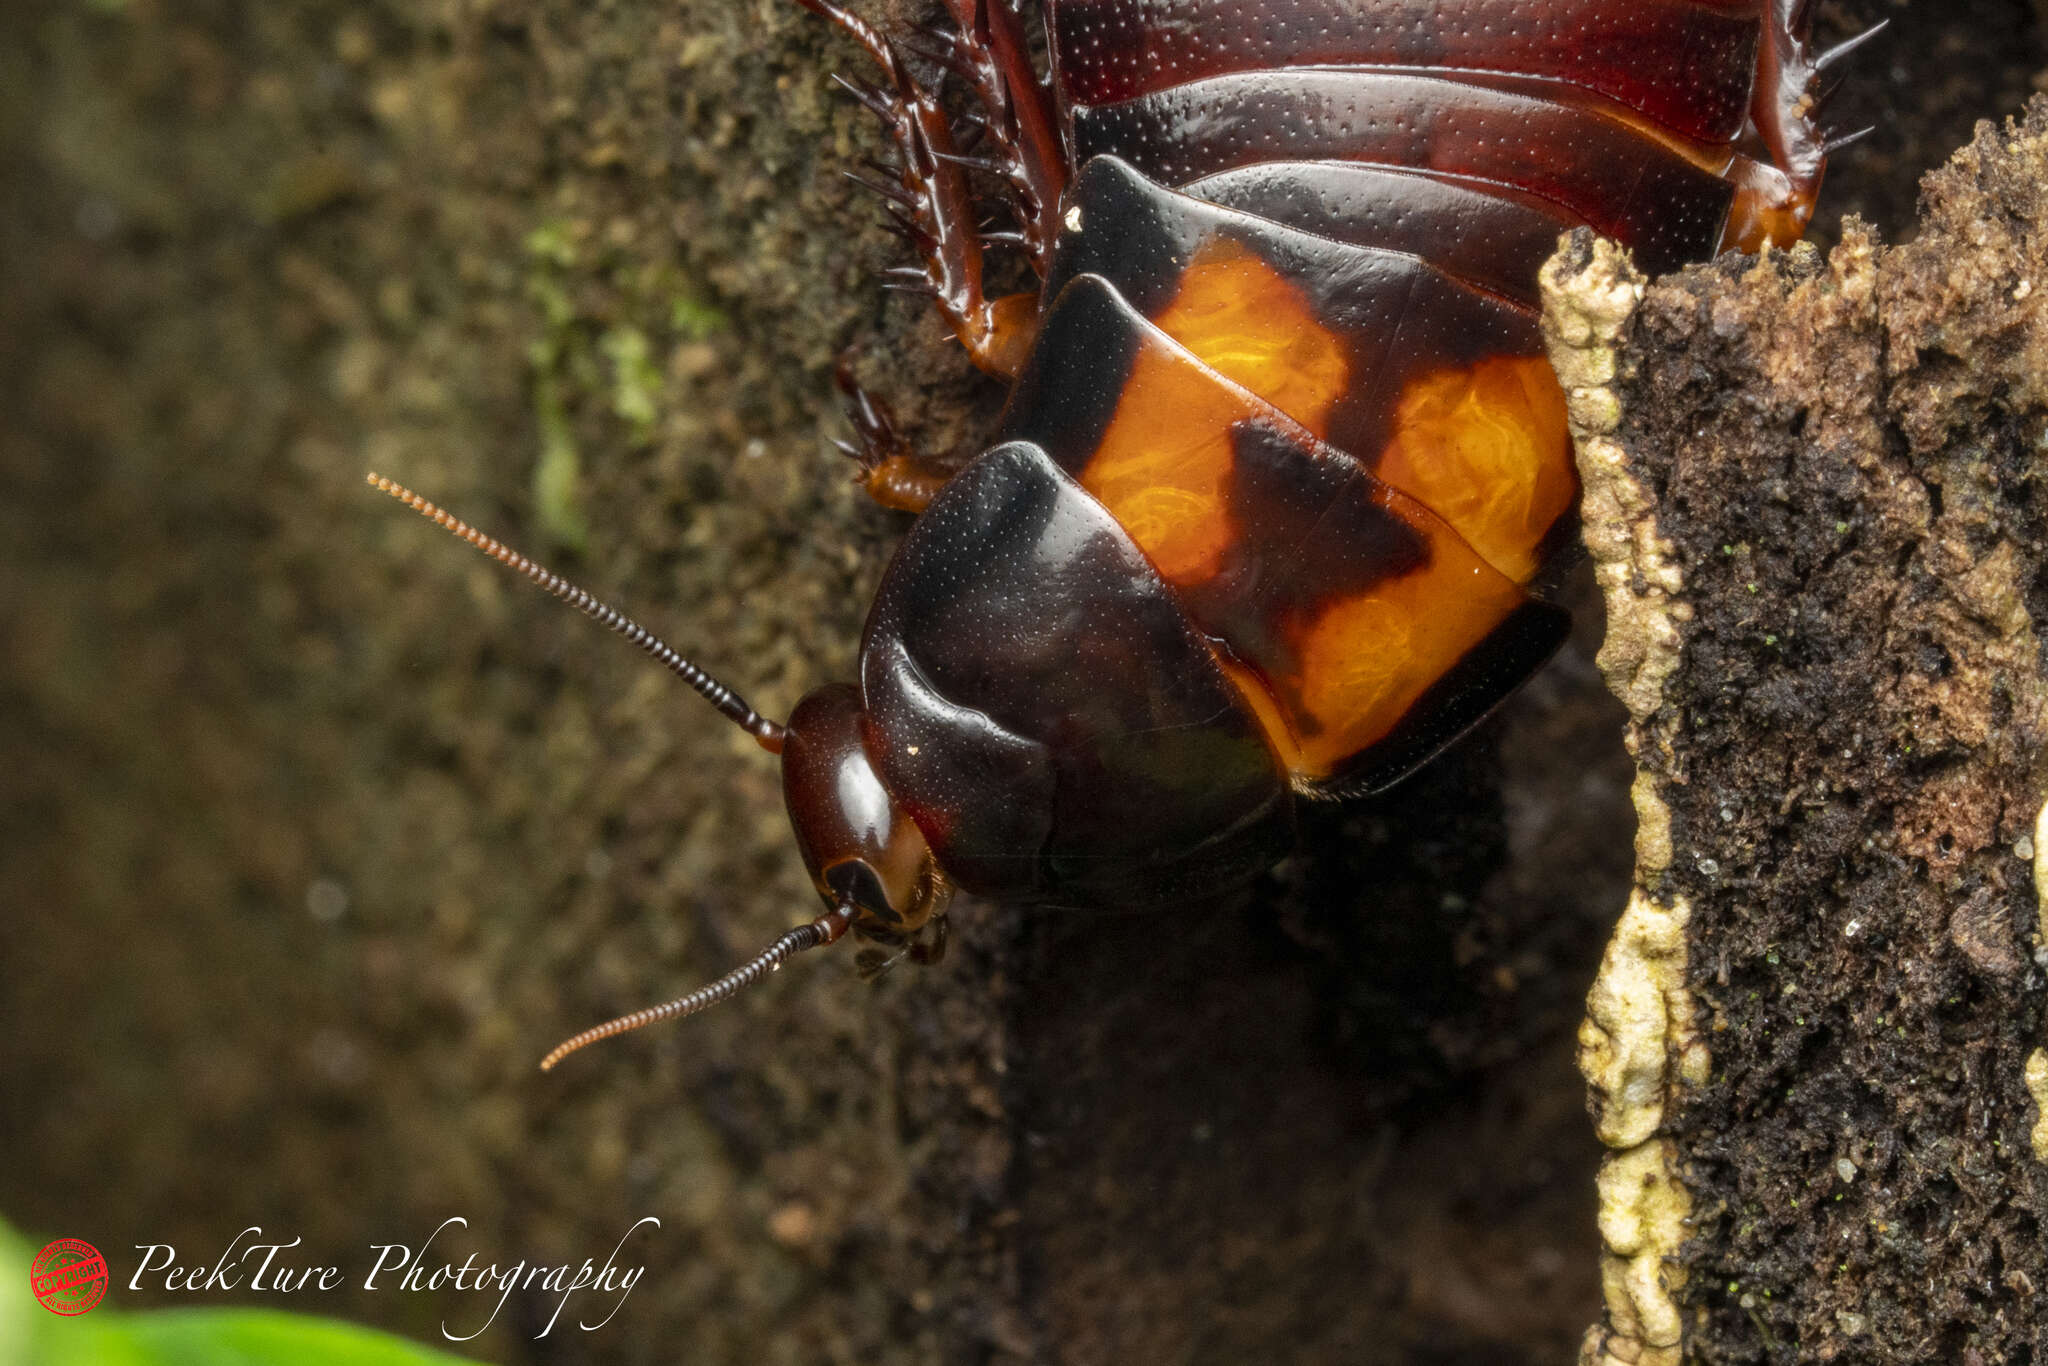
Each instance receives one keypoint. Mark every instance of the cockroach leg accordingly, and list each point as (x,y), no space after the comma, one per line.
(928,946)
(988,52)
(1773,203)
(894,473)
(930,204)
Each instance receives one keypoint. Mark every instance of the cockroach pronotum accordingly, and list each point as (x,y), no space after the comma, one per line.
(1282,458)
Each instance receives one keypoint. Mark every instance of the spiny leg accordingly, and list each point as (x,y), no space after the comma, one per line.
(1774,202)
(931,206)
(894,473)
(988,52)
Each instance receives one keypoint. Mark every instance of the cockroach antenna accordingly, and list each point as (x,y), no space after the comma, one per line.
(729,703)
(826,929)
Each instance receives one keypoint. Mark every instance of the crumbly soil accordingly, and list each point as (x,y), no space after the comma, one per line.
(316,830)
(1844,456)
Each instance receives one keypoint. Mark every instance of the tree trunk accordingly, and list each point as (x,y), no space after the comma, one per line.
(1816,503)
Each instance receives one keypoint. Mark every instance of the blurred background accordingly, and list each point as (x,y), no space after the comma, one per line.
(316,829)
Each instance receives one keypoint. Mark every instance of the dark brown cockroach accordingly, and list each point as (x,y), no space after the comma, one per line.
(1282,456)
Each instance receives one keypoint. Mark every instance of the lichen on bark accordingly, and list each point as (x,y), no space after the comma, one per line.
(1638,1043)
(1817,507)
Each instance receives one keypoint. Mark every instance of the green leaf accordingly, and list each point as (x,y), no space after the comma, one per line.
(260,1337)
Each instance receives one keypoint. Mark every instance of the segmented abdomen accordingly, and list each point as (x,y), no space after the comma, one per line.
(1291,342)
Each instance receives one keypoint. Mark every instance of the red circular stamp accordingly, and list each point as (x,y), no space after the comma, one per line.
(68,1277)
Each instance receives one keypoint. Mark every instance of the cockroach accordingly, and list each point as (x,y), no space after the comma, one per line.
(1282,465)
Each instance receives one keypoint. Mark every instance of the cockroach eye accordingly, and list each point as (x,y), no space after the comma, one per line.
(862,849)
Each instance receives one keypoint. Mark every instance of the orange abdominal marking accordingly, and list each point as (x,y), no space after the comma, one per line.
(1339,667)
(1245,321)
(1366,659)
(1165,460)
(1487,449)
(1164,464)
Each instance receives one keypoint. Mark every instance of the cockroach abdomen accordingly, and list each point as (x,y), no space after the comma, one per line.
(1687,65)
(1019,599)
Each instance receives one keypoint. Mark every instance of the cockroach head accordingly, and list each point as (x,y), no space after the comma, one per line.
(862,849)
(867,858)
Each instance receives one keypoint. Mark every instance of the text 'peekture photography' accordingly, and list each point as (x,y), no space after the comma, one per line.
(251,1261)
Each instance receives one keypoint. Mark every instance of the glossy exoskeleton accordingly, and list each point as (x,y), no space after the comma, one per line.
(1282,455)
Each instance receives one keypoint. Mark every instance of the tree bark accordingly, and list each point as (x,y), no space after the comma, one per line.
(1816,505)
